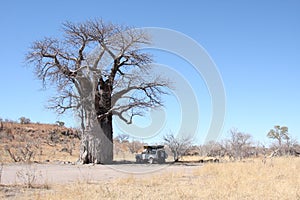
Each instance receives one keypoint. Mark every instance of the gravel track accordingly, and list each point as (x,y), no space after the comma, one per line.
(67,173)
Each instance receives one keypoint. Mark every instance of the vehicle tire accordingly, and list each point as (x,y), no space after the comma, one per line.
(138,160)
(150,161)
(161,161)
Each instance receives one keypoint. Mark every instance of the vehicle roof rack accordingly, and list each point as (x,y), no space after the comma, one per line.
(153,146)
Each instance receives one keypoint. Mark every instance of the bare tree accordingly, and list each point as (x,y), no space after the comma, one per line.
(134,146)
(178,145)
(239,144)
(1,124)
(60,123)
(293,147)
(99,71)
(24,120)
(215,149)
(122,138)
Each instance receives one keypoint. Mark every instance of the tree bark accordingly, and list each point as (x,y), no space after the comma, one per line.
(97,138)
(96,143)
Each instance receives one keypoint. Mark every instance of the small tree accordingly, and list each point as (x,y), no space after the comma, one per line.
(24,120)
(280,134)
(239,143)
(122,138)
(1,124)
(60,123)
(134,146)
(178,145)
(292,146)
(213,148)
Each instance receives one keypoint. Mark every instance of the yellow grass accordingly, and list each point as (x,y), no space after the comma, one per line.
(277,179)
(124,156)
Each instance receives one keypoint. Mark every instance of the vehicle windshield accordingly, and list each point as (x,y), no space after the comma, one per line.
(153,152)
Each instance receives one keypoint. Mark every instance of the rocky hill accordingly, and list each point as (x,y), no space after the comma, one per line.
(37,142)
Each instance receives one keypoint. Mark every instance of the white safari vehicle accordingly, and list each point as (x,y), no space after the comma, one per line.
(152,154)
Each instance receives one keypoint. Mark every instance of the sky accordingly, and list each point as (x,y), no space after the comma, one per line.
(255,46)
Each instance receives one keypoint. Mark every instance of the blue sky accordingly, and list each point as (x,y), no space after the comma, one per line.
(254,44)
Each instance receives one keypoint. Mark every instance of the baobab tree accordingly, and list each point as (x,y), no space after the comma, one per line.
(100,71)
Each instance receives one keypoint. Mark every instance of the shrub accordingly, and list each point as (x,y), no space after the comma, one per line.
(24,120)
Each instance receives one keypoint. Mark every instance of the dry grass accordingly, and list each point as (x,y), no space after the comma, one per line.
(277,179)
(124,156)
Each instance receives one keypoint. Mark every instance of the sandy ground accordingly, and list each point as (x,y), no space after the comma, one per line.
(67,173)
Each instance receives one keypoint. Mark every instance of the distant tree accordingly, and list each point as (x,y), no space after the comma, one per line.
(122,138)
(239,144)
(134,146)
(24,120)
(178,145)
(291,147)
(214,148)
(60,123)
(1,126)
(27,121)
(280,134)
(1,122)
(99,71)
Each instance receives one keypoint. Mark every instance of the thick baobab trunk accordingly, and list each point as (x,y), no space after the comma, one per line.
(96,143)
(97,138)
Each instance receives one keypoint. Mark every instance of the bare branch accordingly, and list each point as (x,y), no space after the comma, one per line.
(179,146)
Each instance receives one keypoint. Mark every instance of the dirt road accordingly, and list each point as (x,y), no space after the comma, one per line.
(66,173)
